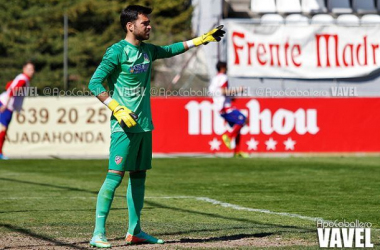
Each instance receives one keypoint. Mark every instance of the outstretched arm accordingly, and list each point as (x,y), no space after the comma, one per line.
(214,35)
(167,51)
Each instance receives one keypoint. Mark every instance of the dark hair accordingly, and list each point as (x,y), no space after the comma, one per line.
(131,14)
(26,63)
(220,65)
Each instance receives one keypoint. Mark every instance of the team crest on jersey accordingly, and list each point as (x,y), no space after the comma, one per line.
(118,160)
(146,58)
(139,68)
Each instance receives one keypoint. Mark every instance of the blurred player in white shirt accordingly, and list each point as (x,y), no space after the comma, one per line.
(11,100)
(222,97)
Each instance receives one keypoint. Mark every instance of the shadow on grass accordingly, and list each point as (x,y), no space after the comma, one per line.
(215,239)
(188,240)
(202,230)
(222,238)
(193,231)
(27,232)
(211,239)
(49,185)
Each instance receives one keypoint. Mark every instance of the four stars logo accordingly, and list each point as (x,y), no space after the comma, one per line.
(271,144)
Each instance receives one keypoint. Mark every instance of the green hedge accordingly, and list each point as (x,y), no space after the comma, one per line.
(33,30)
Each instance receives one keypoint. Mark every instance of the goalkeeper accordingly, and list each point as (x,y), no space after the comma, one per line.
(127,67)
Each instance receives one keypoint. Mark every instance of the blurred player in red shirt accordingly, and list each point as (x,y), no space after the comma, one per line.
(11,101)
(222,96)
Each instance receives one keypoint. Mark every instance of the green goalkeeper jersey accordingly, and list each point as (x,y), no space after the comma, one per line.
(127,69)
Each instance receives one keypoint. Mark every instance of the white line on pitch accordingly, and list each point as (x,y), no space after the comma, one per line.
(237,207)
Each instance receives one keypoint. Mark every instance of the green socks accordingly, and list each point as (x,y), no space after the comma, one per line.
(135,199)
(103,204)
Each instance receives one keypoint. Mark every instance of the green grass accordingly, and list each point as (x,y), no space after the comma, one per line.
(54,200)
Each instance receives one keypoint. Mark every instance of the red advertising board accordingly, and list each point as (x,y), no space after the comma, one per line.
(276,125)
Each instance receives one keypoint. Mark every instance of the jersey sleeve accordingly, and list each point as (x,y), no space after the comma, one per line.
(12,89)
(223,81)
(225,84)
(159,52)
(109,62)
(8,85)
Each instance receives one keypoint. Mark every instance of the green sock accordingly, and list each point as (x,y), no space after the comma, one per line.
(103,204)
(135,200)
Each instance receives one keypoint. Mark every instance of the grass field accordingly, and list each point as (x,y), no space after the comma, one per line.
(50,204)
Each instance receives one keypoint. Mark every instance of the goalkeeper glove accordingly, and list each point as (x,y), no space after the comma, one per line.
(214,35)
(123,115)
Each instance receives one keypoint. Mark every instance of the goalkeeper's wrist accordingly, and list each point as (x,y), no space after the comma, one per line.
(111,103)
(190,44)
(194,42)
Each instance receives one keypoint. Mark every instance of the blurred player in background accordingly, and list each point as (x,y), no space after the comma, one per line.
(10,101)
(223,97)
(127,66)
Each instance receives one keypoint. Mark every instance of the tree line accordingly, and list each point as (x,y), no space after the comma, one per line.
(33,30)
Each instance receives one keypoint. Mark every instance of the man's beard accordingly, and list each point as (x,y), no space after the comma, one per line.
(141,37)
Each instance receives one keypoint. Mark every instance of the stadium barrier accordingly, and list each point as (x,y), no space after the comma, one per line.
(79,127)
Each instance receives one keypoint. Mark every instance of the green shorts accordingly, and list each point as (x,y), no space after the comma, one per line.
(130,151)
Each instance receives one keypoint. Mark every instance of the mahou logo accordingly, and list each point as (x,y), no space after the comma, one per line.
(204,119)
